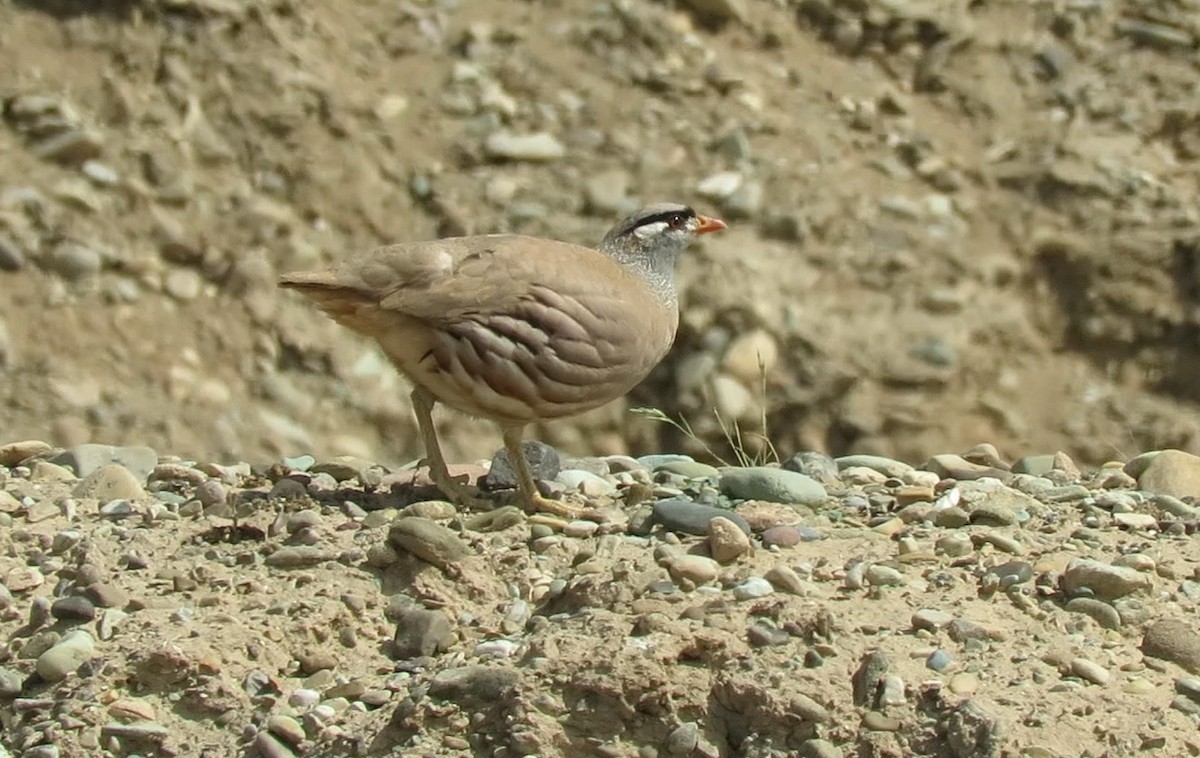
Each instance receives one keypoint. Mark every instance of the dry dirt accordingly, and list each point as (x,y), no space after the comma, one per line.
(951,221)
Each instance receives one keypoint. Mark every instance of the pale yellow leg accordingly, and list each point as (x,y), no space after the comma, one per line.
(455,489)
(534,502)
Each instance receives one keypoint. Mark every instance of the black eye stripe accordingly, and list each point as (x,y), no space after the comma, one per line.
(666,216)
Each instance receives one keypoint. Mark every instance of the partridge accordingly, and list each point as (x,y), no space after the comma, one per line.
(515,329)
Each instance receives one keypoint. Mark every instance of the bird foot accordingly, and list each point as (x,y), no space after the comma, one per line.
(541,504)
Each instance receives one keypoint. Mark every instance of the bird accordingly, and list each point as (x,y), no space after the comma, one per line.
(513,328)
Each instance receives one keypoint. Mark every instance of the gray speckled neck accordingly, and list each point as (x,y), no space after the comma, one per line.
(656,267)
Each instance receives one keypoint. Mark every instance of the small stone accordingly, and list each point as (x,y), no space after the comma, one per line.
(75,609)
(183,284)
(782,536)
(785,579)
(23,579)
(1102,580)
(543,460)
(939,661)
(1100,612)
(1135,521)
(753,588)
(963,683)
(429,541)
(1089,670)
(696,569)
(538,147)
(1171,472)
(761,635)
(683,739)
(726,540)
(421,633)
(300,556)
(880,575)
(776,485)
(688,517)
(15,453)
(928,618)
(314,661)
(955,545)
(66,656)
(1174,640)
(286,728)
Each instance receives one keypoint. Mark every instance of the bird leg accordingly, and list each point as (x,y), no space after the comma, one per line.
(455,489)
(534,502)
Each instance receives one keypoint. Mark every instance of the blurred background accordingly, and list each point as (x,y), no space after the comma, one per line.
(951,222)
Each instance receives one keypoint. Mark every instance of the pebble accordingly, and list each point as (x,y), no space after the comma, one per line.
(776,485)
(783,536)
(697,569)
(13,454)
(726,540)
(587,483)
(931,619)
(87,458)
(1091,671)
(1174,640)
(939,661)
(1103,580)
(692,518)
(880,575)
(66,656)
(1170,472)
(111,481)
(74,609)
(537,147)
(429,541)
(1101,612)
(300,556)
(752,588)
(785,579)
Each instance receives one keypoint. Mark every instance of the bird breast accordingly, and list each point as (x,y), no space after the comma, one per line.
(553,353)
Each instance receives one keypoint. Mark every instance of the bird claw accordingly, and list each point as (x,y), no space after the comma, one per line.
(541,504)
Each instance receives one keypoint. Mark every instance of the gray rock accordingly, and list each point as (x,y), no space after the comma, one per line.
(1174,640)
(429,541)
(819,749)
(692,518)
(86,458)
(1103,580)
(420,633)
(753,588)
(1000,507)
(775,485)
(11,682)
(683,739)
(109,482)
(66,656)
(474,686)
(949,466)
(74,609)
(1034,465)
(543,460)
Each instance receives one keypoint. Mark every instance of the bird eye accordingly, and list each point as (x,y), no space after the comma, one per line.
(677,221)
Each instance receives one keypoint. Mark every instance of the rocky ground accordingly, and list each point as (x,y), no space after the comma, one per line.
(860,606)
(950,222)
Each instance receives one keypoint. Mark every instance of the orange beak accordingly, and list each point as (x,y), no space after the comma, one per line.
(709,224)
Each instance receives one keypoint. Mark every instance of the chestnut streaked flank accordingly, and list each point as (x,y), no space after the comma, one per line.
(516,329)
